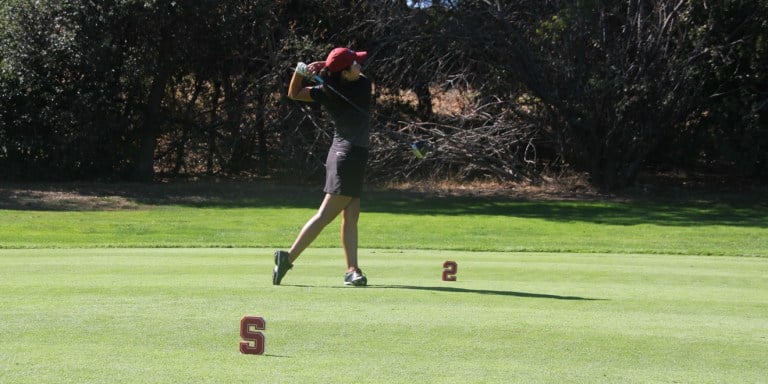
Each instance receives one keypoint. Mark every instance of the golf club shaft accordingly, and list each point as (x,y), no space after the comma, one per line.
(397,136)
(320,80)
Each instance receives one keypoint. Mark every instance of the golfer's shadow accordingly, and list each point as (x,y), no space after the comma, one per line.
(483,292)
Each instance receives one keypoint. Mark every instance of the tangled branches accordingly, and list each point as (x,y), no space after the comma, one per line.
(462,148)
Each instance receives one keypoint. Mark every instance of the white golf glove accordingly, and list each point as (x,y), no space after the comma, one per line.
(303,70)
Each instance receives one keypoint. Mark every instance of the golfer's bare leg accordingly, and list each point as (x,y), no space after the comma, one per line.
(349,221)
(331,206)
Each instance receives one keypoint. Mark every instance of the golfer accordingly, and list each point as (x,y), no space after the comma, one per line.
(345,164)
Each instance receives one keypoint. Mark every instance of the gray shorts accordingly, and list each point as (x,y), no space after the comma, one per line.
(345,169)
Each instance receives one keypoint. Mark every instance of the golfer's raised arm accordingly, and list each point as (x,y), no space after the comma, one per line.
(297,90)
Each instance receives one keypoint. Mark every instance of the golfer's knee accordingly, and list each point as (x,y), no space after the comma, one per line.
(350,218)
(323,218)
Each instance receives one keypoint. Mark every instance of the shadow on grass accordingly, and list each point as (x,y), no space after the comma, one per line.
(484,292)
(739,211)
(716,209)
(460,290)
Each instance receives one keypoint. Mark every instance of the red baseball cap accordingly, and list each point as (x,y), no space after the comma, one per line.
(342,58)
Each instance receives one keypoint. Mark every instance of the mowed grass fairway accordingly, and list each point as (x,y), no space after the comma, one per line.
(172,316)
(670,292)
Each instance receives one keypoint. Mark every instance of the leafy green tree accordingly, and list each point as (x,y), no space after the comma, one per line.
(53,94)
(730,129)
(623,80)
(126,88)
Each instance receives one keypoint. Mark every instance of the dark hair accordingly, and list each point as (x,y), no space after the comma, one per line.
(333,79)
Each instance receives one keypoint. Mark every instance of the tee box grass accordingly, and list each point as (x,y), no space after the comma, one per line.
(547,291)
(172,316)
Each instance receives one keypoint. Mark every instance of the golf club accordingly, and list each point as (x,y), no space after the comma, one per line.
(418,148)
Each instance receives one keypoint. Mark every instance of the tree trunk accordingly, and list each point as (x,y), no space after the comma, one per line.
(261,132)
(150,129)
(212,127)
(181,152)
(241,139)
(424,98)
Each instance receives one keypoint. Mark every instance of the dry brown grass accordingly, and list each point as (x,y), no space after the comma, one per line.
(563,188)
(40,197)
(125,196)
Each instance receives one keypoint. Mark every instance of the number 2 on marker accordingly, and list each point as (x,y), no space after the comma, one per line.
(449,270)
(252,335)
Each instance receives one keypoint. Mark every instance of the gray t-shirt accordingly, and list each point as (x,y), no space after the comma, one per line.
(351,124)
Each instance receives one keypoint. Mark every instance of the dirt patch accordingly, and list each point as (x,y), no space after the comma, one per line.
(567,188)
(61,200)
(131,196)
